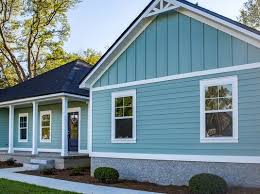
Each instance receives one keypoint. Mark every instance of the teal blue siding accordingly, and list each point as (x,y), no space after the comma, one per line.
(168,118)
(174,43)
(18,144)
(4,126)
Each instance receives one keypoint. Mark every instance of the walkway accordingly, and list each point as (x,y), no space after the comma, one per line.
(11,174)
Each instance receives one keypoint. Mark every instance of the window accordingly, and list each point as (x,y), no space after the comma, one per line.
(123,117)
(219,110)
(23,127)
(45,123)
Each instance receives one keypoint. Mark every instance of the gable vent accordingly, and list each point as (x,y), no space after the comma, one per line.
(161,6)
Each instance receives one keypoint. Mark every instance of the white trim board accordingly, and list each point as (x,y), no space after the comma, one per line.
(41,98)
(186,158)
(202,16)
(181,76)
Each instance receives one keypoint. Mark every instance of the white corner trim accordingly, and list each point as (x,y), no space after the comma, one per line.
(173,157)
(121,94)
(48,112)
(232,80)
(19,127)
(90,121)
(49,150)
(78,110)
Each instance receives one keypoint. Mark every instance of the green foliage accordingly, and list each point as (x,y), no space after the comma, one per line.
(10,162)
(207,184)
(250,14)
(106,175)
(78,171)
(48,171)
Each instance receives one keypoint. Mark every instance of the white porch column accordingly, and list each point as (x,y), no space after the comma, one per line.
(35,129)
(64,150)
(11,129)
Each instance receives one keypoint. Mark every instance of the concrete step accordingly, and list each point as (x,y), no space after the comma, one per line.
(30,166)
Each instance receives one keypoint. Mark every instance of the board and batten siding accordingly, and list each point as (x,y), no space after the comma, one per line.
(4,126)
(168,118)
(173,44)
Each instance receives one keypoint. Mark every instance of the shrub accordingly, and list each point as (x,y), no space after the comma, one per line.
(47,171)
(207,184)
(77,171)
(10,162)
(106,175)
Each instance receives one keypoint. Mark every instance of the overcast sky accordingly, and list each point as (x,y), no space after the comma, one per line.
(98,23)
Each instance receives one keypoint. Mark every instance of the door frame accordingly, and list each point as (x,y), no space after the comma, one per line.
(78,110)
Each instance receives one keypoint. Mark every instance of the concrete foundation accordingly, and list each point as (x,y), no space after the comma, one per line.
(178,172)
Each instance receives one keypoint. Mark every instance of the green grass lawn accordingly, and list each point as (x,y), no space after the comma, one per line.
(14,187)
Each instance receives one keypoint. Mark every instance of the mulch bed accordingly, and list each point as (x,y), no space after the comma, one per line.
(86,178)
(6,165)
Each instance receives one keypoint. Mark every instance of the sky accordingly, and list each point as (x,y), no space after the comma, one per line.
(97,24)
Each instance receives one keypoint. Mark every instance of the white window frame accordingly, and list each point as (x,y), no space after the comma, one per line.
(233,80)
(19,127)
(122,94)
(49,112)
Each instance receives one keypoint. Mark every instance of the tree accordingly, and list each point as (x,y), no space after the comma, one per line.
(30,31)
(250,14)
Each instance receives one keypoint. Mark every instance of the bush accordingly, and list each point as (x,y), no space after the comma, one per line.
(47,171)
(207,184)
(106,175)
(10,162)
(77,171)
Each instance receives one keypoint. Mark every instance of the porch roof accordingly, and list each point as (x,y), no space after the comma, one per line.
(64,79)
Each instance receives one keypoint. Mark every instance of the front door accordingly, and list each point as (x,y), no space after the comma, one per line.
(73,131)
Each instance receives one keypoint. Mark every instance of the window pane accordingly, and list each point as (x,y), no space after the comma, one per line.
(219,124)
(119,112)
(225,103)
(128,101)
(119,102)
(124,128)
(211,104)
(46,117)
(211,92)
(225,91)
(128,112)
(23,133)
(46,133)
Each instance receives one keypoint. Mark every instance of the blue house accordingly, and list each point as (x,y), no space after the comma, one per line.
(176,95)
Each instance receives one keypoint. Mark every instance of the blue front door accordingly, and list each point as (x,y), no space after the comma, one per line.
(73,129)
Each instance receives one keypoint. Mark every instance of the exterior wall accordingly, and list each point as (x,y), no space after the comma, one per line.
(173,44)
(56,132)
(4,125)
(168,118)
(178,172)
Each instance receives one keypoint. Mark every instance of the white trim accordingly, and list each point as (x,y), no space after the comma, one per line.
(215,82)
(19,127)
(48,112)
(115,95)
(23,149)
(35,128)
(168,7)
(83,151)
(11,130)
(42,98)
(78,110)
(64,127)
(249,37)
(49,150)
(3,149)
(181,76)
(90,121)
(173,157)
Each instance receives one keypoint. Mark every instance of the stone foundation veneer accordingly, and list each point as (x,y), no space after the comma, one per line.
(178,172)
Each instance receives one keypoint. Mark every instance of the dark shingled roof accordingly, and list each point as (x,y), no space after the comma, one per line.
(64,79)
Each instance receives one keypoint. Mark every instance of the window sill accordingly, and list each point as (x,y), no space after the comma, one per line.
(219,140)
(45,141)
(23,141)
(123,141)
